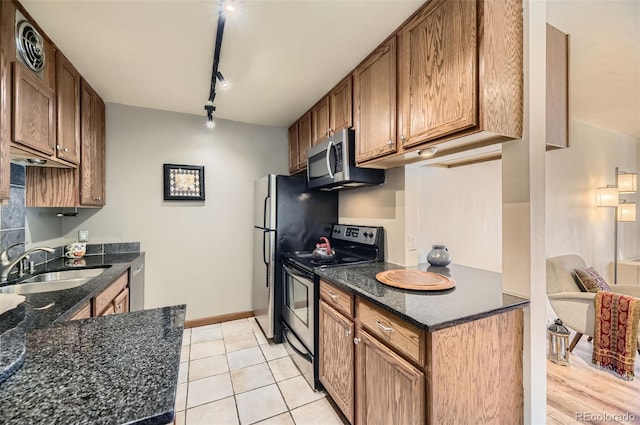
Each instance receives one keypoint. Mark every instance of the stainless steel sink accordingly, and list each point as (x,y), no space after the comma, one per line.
(52,281)
(64,275)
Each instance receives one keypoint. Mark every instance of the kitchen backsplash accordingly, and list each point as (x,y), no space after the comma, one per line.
(13,222)
(13,226)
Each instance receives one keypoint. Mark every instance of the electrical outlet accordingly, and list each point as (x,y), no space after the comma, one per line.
(83,235)
(411,242)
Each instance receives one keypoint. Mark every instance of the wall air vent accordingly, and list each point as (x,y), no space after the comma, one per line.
(29,45)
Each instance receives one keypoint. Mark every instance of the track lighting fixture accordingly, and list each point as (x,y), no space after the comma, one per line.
(225,84)
(225,6)
(229,6)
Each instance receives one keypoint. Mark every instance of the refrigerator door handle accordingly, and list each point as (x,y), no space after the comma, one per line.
(264,245)
(267,199)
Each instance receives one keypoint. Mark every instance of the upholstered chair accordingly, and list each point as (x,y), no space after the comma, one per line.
(576,309)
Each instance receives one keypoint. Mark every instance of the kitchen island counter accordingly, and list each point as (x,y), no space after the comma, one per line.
(477,294)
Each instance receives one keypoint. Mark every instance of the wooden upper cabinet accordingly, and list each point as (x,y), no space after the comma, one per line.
(438,71)
(374,95)
(557,88)
(304,139)
(333,112)
(33,111)
(341,106)
(320,120)
(92,169)
(68,95)
(293,148)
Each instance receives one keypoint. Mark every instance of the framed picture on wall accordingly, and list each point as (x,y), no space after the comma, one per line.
(183,182)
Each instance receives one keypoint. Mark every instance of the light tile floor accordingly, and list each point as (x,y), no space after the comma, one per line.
(230,374)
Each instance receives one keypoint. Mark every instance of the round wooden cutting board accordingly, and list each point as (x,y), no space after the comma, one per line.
(415,279)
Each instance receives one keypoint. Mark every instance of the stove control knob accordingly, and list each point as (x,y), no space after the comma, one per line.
(370,235)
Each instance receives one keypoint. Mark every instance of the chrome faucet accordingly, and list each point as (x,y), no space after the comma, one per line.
(6,264)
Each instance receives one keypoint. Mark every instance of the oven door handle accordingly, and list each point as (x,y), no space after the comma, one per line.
(307,355)
(297,273)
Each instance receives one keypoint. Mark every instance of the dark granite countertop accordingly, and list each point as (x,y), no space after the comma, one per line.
(120,369)
(43,356)
(477,294)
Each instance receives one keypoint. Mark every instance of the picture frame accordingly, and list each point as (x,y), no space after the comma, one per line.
(183,182)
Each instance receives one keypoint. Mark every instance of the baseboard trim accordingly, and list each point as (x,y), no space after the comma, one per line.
(217,319)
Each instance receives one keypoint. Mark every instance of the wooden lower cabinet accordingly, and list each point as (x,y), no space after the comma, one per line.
(337,358)
(84,313)
(390,389)
(391,372)
(121,302)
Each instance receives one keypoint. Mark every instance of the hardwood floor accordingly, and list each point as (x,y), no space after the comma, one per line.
(581,388)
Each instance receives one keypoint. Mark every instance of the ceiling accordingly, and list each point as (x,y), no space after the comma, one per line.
(283,55)
(280,56)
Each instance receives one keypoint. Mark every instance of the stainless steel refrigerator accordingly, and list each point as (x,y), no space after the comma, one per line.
(287,217)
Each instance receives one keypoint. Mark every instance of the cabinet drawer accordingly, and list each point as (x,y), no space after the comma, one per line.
(398,334)
(103,300)
(337,298)
(84,313)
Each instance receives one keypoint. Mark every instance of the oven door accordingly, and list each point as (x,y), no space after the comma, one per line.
(298,306)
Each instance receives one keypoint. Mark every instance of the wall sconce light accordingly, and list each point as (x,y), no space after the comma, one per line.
(607,196)
(626,211)
(627,182)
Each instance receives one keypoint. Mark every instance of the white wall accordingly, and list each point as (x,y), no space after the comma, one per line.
(462,208)
(380,206)
(575,225)
(198,253)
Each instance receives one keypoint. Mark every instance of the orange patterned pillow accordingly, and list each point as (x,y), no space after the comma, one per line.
(591,280)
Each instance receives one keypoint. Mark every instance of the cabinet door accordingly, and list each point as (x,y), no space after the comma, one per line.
(341,106)
(375,103)
(337,358)
(92,152)
(68,94)
(121,302)
(293,148)
(33,111)
(390,389)
(304,139)
(320,120)
(438,74)
(557,88)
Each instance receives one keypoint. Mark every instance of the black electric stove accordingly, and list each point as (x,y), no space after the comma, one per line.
(351,244)
(301,290)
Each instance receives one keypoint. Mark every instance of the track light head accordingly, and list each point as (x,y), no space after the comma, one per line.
(229,6)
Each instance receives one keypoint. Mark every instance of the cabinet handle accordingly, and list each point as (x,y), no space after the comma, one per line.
(119,307)
(356,341)
(390,142)
(383,327)
(347,332)
(333,296)
(66,149)
(403,139)
(58,147)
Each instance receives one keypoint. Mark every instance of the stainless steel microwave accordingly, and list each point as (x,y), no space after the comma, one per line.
(331,164)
